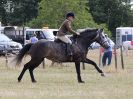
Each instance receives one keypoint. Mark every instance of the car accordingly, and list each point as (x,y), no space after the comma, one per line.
(9,44)
(95,45)
(5,50)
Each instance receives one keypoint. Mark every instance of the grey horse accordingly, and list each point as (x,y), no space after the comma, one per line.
(56,51)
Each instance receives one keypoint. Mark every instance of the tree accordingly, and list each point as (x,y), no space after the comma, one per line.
(18,12)
(24,11)
(52,13)
(2,11)
(114,13)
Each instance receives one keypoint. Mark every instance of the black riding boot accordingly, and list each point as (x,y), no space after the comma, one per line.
(69,49)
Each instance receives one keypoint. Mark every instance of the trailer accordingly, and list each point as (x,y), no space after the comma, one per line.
(123,34)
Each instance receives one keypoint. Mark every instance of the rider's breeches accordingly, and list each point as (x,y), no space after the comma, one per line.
(64,39)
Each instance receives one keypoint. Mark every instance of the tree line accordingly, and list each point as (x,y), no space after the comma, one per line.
(107,14)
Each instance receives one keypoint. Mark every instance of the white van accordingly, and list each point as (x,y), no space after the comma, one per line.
(41,34)
(30,32)
(49,34)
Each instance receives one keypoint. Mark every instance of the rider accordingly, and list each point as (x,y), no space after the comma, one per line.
(64,29)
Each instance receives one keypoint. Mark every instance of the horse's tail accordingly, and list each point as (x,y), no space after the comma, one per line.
(22,53)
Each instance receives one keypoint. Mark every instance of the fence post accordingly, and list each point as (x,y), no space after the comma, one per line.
(100,55)
(115,55)
(122,62)
(5,48)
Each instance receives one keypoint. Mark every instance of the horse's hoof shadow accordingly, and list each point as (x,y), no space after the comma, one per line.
(19,81)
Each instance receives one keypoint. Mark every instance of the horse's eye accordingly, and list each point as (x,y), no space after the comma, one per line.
(103,37)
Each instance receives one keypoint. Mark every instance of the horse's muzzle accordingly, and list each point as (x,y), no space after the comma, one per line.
(105,45)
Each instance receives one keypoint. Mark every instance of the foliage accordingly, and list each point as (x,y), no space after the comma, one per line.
(19,12)
(52,13)
(2,11)
(114,13)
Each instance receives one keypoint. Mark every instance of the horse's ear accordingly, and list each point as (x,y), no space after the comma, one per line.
(100,30)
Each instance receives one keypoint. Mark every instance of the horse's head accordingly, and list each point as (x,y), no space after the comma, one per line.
(101,39)
(95,35)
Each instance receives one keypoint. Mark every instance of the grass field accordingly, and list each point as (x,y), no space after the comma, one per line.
(59,82)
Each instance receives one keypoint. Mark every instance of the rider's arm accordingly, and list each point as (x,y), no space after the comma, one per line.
(69,28)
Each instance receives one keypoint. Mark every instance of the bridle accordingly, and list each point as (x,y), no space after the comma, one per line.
(98,34)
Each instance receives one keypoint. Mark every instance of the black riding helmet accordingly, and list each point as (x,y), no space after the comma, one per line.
(70,14)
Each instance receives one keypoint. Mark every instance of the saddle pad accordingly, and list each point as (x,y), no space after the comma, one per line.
(132,43)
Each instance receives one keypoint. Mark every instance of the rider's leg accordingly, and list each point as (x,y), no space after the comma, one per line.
(68,42)
(64,39)
(69,46)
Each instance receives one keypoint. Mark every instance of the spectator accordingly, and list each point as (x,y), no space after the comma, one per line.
(33,39)
(39,35)
(107,53)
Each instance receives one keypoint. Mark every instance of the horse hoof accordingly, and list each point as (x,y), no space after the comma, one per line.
(81,81)
(19,80)
(102,74)
(34,81)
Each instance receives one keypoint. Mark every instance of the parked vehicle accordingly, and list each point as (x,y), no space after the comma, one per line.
(123,34)
(23,34)
(94,45)
(49,34)
(9,44)
(5,50)
(30,32)
(41,34)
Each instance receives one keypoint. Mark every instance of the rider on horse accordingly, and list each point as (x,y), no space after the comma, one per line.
(64,28)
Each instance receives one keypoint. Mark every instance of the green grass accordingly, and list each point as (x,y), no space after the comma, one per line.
(60,82)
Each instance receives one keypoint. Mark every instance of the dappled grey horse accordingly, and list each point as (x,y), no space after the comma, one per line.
(56,51)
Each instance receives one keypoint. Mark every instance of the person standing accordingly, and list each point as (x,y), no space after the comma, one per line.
(107,53)
(33,39)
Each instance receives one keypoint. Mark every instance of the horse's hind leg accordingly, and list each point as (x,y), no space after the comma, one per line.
(26,66)
(35,63)
(77,65)
(31,65)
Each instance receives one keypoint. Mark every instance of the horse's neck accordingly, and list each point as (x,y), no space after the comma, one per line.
(83,44)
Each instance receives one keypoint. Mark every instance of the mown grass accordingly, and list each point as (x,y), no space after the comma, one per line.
(59,82)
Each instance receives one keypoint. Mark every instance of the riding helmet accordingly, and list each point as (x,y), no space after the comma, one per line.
(70,14)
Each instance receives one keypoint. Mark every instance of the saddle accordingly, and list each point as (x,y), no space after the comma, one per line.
(68,47)
(59,41)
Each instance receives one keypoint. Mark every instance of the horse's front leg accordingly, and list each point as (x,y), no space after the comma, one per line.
(77,65)
(95,65)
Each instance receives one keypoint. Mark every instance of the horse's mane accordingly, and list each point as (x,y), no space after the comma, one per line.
(87,30)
